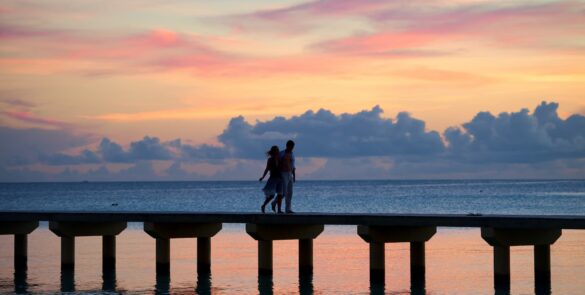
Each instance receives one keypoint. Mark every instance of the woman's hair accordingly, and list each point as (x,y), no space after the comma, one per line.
(273,152)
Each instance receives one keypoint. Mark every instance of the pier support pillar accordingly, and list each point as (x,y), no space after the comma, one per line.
(203,255)
(377,236)
(501,267)
(377,262)
(306,256)
(265,258)
(503,238)
(20,230)
(163,232)
(69,230)
(417,261)
(542,268)
(20,252)
(163,256)
(265,234)
(108,254)
(67,253)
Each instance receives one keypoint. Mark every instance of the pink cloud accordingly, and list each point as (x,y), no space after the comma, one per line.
(15,102)
(378,43)
(320,7)
(533,25)
(412,24)
(28,117)
(420,33)
(140,51)
(160,49)
(444,76)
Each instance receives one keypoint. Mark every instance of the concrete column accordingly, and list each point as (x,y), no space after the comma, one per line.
(417,262)
(108,253)
(305,256)
(20,252)
(502,267)
(502,238)
(265,257)
(164,231)
(163,256)
(542,280)
(377,262)
(67,253)
(203,255)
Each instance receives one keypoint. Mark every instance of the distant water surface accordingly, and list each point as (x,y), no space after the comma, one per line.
(555,197)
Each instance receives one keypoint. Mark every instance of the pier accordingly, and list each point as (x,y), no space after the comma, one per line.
(499,231)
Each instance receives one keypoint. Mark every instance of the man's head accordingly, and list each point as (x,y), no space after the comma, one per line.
(290,145)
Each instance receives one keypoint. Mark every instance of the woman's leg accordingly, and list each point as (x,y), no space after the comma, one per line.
(279,203)
(268,198)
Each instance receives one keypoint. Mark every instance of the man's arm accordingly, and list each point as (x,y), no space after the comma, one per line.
(294,168)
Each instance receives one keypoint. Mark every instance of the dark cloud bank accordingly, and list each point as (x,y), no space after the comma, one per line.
(519,144)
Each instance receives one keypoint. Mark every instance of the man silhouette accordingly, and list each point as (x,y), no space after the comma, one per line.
(287,169)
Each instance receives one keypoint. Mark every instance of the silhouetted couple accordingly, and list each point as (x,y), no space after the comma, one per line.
(281,165)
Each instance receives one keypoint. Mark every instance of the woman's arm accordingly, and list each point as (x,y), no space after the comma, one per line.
(265,170)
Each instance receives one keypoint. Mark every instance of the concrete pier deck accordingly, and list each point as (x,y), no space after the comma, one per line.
(409,220)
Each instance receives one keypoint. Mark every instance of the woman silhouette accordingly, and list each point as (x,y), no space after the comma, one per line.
(274,184)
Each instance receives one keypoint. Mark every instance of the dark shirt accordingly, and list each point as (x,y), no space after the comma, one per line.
(272,165)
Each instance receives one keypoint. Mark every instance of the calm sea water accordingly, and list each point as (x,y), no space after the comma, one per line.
(458,260)
(502,197)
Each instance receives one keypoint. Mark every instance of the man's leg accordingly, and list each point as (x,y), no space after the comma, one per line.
(289,194)
(285,181)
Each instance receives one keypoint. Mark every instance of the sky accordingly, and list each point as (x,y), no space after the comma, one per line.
(199,90)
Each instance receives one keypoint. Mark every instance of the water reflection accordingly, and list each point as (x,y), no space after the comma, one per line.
(20,282)
(417,285)
(67,281)
(265,285)
(163,284)
(503,291)
(542,288)
(109,281)
(306,284)
(377,287)
(203,283)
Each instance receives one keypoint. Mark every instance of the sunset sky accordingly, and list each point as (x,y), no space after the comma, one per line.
(198,90)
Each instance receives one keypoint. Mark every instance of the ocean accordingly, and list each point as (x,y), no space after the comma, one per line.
(458,260)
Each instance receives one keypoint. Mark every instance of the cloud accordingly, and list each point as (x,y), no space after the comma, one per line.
(148,148)
(24,146)
(112,52)
(17,103)
(384,43)
(362,144)
(58,159)
(304,17)
(413,26)
(519,137)
(324,134)
(28,117)
(112,152)
(204,152)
